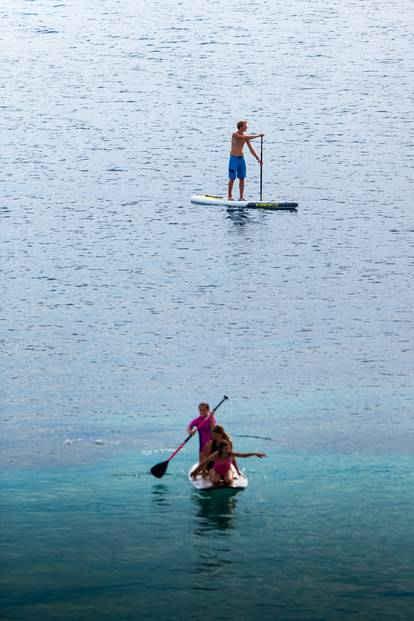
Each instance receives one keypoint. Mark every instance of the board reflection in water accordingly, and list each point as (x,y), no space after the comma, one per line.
(215,510)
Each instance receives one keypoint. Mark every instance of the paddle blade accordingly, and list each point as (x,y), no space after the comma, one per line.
(159,469)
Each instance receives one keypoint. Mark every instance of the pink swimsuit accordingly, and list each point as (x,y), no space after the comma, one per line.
(222,465)
(204,431)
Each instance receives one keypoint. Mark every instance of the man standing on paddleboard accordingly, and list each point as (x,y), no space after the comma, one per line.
(237,164)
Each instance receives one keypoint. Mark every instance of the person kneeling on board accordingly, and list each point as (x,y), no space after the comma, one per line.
(221,472)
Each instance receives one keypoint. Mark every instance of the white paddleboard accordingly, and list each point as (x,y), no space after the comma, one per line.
(206,199)
(239,482)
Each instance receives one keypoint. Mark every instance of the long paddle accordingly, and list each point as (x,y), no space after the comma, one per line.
(261,168)
(160,469)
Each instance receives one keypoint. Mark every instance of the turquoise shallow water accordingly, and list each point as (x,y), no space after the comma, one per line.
(313,537)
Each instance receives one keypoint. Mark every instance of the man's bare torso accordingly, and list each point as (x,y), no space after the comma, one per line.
(237,144)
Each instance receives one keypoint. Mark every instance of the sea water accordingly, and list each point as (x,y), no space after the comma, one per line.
(123,306)
(312,537)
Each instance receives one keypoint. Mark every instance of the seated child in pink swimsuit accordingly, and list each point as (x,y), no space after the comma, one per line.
(217,435)
(221,472)
(205,423)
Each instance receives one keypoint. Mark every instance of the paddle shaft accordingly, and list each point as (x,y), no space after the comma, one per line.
(196,429)
(261,168)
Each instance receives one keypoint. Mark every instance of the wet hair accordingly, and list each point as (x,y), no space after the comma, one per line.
(222,445)
(240,124)
(219,429)
(203,404)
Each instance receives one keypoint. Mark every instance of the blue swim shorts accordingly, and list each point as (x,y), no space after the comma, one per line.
(237,167)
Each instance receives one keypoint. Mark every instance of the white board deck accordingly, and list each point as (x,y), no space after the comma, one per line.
(206,199)
(239,482)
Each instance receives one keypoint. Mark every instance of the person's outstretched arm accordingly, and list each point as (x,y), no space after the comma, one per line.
(249,455)
(246,137)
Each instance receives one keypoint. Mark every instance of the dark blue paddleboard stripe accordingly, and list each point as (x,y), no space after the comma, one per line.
(263,205)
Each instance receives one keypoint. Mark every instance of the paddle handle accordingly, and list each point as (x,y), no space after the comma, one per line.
(196,429)
(261,168)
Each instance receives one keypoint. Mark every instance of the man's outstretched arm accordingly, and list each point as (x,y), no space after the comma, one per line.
(246,137)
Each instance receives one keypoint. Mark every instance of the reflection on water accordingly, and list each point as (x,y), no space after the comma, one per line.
(215,510)
(160,496)
(238,216)
(214,515)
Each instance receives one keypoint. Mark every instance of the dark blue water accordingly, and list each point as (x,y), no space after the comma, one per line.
(123,305)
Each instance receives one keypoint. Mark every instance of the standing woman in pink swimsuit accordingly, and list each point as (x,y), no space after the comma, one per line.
(221,473)
(204,423)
